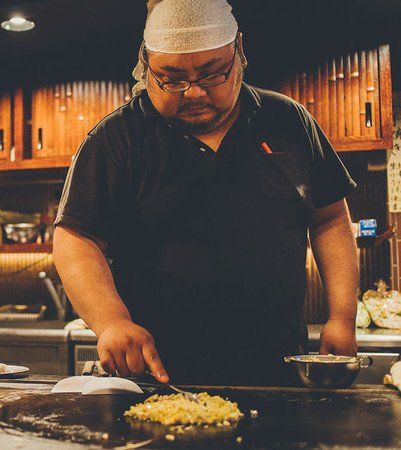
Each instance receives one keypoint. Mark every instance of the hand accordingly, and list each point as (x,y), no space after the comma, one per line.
(128,348)
(338,338)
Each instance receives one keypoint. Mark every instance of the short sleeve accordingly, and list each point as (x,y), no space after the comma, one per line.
(91,195)
(330,179)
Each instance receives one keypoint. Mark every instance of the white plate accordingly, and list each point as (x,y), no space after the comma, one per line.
(14,370)
(110,385)
(72,384)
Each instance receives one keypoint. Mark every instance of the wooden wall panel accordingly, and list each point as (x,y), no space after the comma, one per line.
(356,125)
(19,117)
(333,98)
(340,97)
(342,87)
(66,112)
(5,124)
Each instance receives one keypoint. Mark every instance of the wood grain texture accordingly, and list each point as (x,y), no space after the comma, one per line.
(386,99)
(302,88)
(37,163)
(26,248)
(325,95)
(362,92)
(370,92)
(348,96)
(333,98)
(376,109)
(19,122)
(295,87)
(356,125)
(68,111)
(336,92)
(317,94)
(310,99)
(340,97)
(69,145)
(5,124)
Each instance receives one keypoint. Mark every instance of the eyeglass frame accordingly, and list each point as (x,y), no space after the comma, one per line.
(190,83)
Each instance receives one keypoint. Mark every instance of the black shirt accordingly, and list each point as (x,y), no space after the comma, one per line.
(208,248)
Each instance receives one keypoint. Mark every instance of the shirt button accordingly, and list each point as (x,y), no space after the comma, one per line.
(186,136)
(202,149)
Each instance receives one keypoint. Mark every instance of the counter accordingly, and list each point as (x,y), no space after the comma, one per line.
(43,346)
(366,337)
(359,417)
(66,352)
(370,337)
(54,331)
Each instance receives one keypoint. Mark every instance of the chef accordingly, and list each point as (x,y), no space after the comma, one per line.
(182,230)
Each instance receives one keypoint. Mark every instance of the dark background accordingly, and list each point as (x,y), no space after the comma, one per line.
(100,38)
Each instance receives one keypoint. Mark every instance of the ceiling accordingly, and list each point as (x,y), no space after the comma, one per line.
(100,38)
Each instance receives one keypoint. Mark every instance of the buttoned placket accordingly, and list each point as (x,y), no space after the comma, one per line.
(205,149)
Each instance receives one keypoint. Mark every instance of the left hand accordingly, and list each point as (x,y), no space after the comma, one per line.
(338,338)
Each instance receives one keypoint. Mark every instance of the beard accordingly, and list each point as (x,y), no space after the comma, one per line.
(215,117)
(199,123)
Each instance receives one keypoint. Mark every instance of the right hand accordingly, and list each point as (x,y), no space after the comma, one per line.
(128,348)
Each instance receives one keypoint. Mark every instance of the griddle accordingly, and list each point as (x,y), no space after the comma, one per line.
(288,418)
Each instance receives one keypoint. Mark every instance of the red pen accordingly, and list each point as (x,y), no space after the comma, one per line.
(266,148)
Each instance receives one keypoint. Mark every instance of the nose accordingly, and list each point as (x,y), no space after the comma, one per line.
(195,91)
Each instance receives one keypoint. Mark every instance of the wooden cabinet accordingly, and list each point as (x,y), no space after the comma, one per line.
(49,123)
(63,114)
(5,126)
(350,97)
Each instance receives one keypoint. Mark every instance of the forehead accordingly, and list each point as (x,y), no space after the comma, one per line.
(184,62)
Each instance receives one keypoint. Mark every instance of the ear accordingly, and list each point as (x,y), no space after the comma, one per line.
(241,50)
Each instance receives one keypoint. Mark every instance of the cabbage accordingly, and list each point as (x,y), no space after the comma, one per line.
(384,306)
(362,316)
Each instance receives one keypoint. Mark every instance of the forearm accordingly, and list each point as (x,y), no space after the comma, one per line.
(335,252)
(87,280)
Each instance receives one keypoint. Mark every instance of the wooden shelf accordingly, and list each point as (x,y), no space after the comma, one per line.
(26,248)
(36,163)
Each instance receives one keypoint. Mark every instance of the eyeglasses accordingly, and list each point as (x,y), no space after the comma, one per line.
(211,80)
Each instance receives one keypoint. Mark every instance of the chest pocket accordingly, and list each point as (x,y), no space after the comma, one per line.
(284,176)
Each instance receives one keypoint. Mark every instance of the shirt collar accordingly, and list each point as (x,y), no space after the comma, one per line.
(250,102)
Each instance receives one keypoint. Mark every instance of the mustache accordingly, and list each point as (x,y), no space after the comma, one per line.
(194,105)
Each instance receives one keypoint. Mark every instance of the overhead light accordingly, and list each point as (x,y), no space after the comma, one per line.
(17,24)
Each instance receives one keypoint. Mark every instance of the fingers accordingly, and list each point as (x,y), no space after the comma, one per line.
(129,351)
(323,351)
(153,361)
(135,362)
(120,361)
(106,360)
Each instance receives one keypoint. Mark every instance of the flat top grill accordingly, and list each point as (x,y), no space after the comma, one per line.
(287,417)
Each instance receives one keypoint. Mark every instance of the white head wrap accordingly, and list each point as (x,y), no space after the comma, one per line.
(185,26)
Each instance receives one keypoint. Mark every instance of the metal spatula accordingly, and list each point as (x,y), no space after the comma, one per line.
(188,395)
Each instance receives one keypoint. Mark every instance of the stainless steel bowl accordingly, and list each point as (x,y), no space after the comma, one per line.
(21,232)
(327,371)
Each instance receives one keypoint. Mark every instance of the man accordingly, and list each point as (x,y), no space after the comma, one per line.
(201,191)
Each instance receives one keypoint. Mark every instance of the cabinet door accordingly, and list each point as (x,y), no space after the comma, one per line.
(62,114)
(350,97)
(5,126)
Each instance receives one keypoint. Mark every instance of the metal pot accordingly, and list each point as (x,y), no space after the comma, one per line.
(327,371)
(21,232)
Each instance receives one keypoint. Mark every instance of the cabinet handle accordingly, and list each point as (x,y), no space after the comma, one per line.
(1,140)
(368,115)
(40,139)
